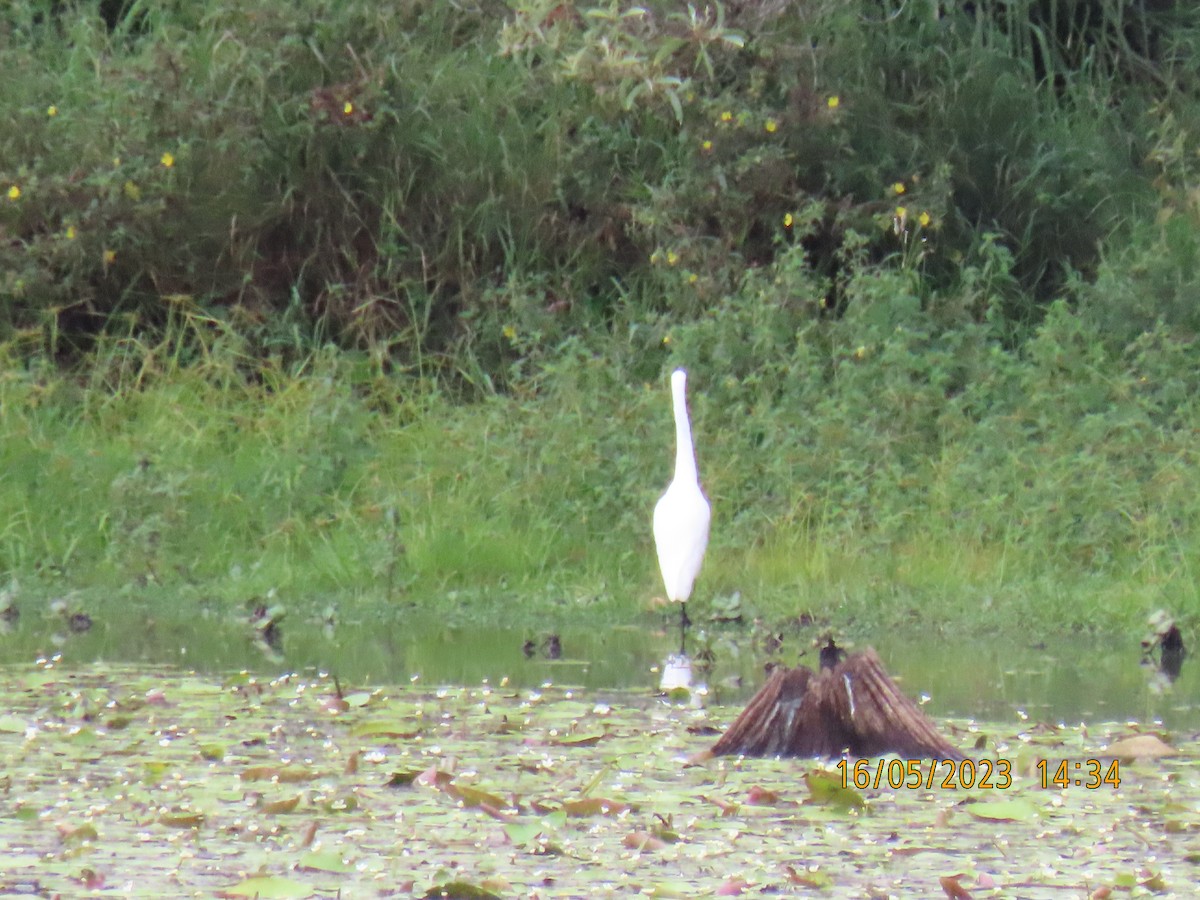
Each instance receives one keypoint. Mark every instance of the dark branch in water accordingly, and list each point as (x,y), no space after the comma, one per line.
(852,708)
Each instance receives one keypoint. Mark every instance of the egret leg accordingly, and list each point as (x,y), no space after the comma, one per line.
(684,622)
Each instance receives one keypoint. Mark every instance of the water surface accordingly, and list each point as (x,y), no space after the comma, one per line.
(1069,681)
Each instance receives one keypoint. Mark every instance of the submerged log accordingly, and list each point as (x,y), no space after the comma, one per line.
(851,708)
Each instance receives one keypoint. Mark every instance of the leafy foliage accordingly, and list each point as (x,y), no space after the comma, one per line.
(413,180)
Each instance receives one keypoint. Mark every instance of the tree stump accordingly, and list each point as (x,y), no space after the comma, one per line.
(850,708)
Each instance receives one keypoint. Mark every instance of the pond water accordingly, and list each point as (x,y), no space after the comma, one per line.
(1068,681)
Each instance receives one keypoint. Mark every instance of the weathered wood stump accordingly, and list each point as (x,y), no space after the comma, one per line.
(852,707)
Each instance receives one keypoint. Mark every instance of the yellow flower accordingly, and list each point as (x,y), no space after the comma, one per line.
(116,161)
(14,193)
(727,116)
(110,257)
(167,159)
(693,278)
(70,232)
(860,352)
(925,219)
(52,110)
(771,126)
(833,102)
(667,339)
(901,212)
(706,146)
(132,191)
(509,332)
(672,257)
(898,187)
(348,109)
(788,220)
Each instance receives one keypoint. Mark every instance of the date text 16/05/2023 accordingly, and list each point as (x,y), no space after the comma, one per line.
(953,774)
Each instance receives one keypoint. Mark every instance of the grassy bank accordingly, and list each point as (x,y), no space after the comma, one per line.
(1056,493)
(373,307)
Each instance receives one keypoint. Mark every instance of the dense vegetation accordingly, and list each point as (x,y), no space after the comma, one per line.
(360,300)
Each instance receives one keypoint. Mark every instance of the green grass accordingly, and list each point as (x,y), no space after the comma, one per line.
(1043,503)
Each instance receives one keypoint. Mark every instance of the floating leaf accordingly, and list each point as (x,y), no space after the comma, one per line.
(643,840)
(182,819)
(814,879)
(1015,810)
(1154,881)
(296,774)
(594,806)
(472,796)
(285,775)
(404,779)
(522,833)
(590,740)
(268,887)
(398,729)
(434,778)
(827,788)
(953,889)
(669,890)
(78,834)
(1140,746)
(155,770)
(309,834)
(325,861)
(341,803)
(732,887)
(279,807)
(460,890)
(259,773)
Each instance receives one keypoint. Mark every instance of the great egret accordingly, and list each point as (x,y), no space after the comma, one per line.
(682,514)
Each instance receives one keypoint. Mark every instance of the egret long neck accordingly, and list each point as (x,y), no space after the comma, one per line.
(685,453)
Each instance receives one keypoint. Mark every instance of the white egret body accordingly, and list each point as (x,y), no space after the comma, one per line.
(682,515)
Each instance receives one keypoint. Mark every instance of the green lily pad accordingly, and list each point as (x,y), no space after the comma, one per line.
(1015,810)
(269,887)
(827,788)
(325,861)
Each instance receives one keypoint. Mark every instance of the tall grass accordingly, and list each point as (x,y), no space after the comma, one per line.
(935,480)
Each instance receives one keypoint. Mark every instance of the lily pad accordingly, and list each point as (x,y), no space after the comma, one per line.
(460,890)
(827,788)
(325,861)
(1141,746)
(1015,810)
(269,887)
